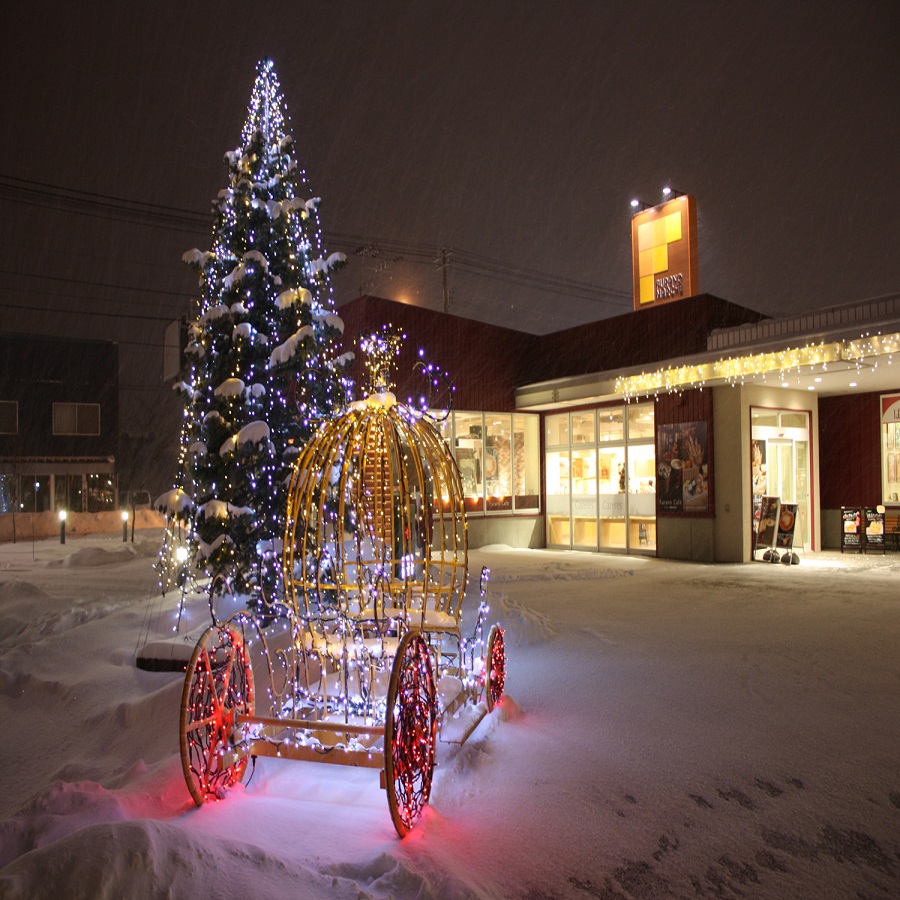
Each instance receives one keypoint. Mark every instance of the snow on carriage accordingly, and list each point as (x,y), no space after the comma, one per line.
(368,664)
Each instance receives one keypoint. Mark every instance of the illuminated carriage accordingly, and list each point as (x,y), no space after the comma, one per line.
(369,661)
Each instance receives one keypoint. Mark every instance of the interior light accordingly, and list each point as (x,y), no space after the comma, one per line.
(817,379)
(852,384)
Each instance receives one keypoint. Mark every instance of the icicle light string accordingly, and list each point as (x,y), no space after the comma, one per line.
(864,350)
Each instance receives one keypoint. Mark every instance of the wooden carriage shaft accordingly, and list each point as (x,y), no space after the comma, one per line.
(338,756)
(308,725)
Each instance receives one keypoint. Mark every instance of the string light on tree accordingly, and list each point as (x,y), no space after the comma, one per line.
(263,368)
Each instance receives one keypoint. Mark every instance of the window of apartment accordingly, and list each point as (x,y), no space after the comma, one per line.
(76,418)
(9,417)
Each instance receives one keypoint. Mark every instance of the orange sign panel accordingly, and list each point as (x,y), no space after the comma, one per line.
(664,252)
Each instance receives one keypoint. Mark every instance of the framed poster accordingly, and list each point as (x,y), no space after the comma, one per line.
(682,468)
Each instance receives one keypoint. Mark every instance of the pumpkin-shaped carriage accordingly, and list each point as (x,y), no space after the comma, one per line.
(369,660)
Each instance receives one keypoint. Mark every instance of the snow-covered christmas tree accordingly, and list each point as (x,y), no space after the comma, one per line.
(262,360)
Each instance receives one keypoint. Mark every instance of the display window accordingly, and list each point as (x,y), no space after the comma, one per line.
(498,455)
(600,487)
(526,450)
(890,448)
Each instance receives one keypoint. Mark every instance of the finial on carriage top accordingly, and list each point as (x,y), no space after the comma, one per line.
(379,350)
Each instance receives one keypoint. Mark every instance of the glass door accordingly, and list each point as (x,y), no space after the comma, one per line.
(780,463)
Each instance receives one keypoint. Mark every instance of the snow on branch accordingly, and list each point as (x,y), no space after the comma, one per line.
(295,295)
(199,259)
(214,312)
(329,319)
(324,266)
(173,503)
(230,387)
(283,352)
(252,433)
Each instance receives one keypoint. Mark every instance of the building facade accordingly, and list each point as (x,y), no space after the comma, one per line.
(59,422)
(663,431)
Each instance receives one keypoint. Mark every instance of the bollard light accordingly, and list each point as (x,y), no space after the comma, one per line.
(124,526)
(62,526)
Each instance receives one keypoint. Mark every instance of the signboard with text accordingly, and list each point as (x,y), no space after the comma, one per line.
(682,468)
(787,525)
(664,253)
(874,522)
(850,529)
(767,528)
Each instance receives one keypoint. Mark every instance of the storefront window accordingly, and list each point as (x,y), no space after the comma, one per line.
(610,424)
(469,452)
(584,497)
(601,489)
(526,463)
(890,462)
(890,448)
(498,455)
(642,496)
(558,498)
(498,461)
(582,428)
(612,483)
(557,431)
(640,423)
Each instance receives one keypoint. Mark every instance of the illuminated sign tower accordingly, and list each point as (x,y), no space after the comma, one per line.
(664,252)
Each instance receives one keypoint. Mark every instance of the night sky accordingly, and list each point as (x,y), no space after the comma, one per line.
(513,133)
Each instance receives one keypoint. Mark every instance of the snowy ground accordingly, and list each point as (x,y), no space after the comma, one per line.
(671,730)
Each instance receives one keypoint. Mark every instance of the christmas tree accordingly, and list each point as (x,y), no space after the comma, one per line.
(262,366)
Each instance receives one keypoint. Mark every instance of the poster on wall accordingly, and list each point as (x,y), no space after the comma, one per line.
(758,467)
(682,468)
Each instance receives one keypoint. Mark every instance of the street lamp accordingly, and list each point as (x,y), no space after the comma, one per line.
(62,526)
(124,526)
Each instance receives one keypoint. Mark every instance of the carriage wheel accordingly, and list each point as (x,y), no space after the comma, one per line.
(410,732)
(218,683)
(495,678)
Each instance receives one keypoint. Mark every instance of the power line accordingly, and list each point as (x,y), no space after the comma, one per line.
(35,193)
(100,284)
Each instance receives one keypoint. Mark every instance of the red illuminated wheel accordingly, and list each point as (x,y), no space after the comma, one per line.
(495,662)
(410,731)
(218,683)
